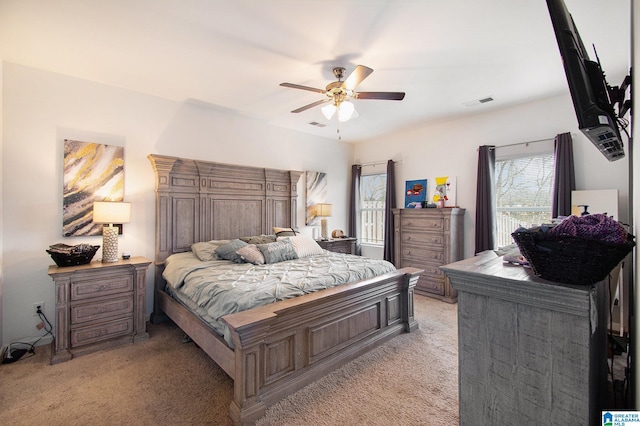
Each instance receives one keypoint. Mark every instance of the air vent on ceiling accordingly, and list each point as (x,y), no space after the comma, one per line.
(479,101)
(315,123)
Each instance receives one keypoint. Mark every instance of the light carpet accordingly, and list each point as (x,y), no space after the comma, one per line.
(410,380)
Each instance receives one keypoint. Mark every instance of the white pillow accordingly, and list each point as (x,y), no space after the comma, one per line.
(304,246)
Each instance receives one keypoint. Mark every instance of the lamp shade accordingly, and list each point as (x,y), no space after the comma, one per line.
(328,111)
(323,210)
(345,111)
(110,212)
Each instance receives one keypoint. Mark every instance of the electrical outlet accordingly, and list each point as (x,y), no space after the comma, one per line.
(36,306)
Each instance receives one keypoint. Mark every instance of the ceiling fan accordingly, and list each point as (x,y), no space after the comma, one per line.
(338,92)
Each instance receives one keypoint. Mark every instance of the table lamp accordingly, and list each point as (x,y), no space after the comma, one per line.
(110,213)
(323,211)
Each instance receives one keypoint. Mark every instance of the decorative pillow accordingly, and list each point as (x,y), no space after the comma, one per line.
(285,232)
(251,254)
(304,246)
(228,251)
(278,251)
(259,239)
(205,250)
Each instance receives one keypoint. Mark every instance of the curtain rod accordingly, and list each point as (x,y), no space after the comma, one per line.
(376,163)
(525,143)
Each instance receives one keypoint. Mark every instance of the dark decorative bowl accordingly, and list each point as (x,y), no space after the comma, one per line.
(66,255)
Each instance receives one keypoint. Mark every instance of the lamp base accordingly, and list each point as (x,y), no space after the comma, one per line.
(324,233)
(109,244)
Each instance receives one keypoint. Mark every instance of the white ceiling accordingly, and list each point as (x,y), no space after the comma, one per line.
(232,55)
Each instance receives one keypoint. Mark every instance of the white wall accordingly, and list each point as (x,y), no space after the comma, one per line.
(450,149)
(1,200)
(41,109)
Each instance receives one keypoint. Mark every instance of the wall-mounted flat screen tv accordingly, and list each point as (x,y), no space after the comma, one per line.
(587,85)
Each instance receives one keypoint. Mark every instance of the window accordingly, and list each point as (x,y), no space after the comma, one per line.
(523,193)
(373,189)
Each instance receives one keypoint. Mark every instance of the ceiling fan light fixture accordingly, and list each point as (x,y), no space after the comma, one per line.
(337,93)
(328,111)
(345,111)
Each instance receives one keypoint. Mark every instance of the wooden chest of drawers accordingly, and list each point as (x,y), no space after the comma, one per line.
(98,305)
(427,239)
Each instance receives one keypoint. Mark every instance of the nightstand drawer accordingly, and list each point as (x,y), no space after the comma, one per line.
(122,306)
(92,334)
(339,245)
(101,287)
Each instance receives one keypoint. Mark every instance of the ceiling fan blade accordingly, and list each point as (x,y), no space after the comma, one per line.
(316,103)
(297,86)
(357,75)
(388,96)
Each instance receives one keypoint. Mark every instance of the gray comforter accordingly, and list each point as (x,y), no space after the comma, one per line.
(217,288)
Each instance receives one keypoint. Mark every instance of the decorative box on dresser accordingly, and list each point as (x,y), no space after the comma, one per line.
(427,239)
(98,306)
(339,245)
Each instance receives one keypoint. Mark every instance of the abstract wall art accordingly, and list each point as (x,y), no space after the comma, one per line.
(444,189)
(92,172)
(316,193)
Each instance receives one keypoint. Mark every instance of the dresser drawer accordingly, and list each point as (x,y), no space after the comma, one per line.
(432,269)
(105,331)
(83,312)
(418,255)
(409,224)
(430,284)
(98,287)
(423,238)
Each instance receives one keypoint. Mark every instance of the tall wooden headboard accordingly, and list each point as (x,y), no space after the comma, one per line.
(202,201)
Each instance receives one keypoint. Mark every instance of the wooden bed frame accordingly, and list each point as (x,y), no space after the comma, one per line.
(281,347)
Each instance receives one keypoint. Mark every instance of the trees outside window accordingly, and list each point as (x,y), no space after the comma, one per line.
(523,193)
(372,190)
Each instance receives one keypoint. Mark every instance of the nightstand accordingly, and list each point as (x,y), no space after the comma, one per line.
(339,245)
(98,306)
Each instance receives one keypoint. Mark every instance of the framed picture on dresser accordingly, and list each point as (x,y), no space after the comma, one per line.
(415,193)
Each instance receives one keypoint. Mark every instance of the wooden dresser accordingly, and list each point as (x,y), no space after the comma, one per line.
(530,351)
(98,305)
(339,245)
(427,239)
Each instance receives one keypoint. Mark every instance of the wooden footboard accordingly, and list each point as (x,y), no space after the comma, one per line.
(282,347)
